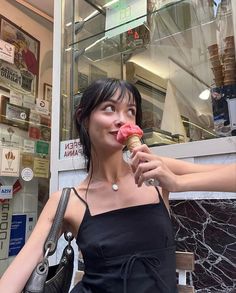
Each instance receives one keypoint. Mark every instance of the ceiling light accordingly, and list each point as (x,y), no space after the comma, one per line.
(205,95)
(110,3)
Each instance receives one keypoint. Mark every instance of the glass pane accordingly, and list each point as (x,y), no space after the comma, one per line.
(180,55)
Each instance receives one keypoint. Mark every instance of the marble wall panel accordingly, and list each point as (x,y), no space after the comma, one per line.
(208,228)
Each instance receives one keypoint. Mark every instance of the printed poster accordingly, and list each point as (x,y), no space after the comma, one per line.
(18,231)
(10,138)
(9,162)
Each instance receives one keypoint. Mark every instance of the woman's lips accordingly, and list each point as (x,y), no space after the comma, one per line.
(114,133)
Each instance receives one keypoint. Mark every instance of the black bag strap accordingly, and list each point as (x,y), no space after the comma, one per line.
(51,242)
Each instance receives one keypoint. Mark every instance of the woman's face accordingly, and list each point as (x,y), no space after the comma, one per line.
(106,119)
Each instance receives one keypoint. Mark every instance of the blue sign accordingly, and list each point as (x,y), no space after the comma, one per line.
(17,237)
(6,191)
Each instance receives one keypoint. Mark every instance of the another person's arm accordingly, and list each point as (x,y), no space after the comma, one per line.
(177,175)
(220,179)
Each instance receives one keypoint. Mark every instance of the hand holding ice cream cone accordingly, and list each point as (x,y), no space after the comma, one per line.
(130,134)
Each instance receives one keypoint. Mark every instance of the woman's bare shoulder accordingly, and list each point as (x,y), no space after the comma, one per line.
(75,209)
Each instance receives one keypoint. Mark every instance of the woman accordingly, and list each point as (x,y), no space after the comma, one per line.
(121,254)
(122,228)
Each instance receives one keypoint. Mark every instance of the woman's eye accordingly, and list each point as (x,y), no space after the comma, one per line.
(109,109)
(132,112)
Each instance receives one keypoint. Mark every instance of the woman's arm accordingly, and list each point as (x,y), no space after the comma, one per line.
(176,175)
(19,271)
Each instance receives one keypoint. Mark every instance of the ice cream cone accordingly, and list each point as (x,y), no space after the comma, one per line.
(9,162)
(132,142)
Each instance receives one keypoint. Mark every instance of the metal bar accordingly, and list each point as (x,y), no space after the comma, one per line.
(35,10)
(96,6)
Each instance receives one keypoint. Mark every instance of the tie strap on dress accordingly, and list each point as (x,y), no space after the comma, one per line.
(151,262)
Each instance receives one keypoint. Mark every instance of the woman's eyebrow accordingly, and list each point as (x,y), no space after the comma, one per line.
(117,101)
(132,105)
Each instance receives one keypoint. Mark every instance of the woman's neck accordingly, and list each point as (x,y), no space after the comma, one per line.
(109,168)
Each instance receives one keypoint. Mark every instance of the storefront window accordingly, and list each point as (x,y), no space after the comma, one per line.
(25,134)
(180,55)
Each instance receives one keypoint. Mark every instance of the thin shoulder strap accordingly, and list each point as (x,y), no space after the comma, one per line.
(159,194)
(162,201)
(75,191)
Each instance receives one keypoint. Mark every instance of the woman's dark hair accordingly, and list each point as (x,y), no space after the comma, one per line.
(97,92)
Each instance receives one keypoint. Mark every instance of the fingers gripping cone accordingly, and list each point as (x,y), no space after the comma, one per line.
(132,142)
(130,134)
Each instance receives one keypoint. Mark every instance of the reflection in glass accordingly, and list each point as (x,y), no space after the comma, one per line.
(164,47)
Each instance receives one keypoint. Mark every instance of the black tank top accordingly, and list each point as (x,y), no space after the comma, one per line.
(129,250)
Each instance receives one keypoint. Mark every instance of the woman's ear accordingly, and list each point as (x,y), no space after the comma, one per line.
(86,123)
(78,114)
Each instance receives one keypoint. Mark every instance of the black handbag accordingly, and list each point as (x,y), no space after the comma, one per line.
(57,278)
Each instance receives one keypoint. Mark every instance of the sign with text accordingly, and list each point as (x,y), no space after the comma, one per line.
(16,98)
(5,224)
(29,102)
(42,147)
(41,168)
(27,160)
(9,162)
(125,15)
(28,146)
(18,231)
(18,115)
(42,106)
(27,174)
(7,51)
(70,148)
(6,191)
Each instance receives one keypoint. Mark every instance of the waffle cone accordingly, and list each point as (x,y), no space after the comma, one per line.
(132,142)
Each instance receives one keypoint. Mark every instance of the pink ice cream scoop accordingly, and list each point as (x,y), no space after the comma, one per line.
(129,134)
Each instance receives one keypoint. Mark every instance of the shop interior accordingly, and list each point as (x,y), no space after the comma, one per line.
(168,52)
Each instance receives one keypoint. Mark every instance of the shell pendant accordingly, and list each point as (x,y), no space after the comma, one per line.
(114,187)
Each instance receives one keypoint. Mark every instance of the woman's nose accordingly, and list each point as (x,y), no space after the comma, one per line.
(120,120)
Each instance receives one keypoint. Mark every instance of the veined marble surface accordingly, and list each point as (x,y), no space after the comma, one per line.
(208,228)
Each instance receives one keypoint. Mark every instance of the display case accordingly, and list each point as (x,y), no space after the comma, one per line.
(166,48)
